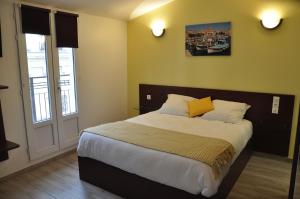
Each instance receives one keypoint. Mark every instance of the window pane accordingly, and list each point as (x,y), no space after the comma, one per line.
(38,77)
(67,81)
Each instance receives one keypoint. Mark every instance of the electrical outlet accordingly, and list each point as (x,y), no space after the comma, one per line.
(275,105)
(148,97)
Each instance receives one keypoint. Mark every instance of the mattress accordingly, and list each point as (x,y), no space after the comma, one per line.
(182,173)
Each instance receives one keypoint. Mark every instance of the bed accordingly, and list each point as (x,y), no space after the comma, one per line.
(136,172)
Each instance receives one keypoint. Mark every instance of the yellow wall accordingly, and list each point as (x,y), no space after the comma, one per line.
(261,60)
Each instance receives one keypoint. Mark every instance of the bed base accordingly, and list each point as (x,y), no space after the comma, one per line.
(132,186)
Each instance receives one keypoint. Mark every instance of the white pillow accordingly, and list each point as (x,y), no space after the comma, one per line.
(176,105)
(227,111)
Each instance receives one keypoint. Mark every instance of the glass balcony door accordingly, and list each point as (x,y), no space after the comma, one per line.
(64,60)
(38,89)
(66,96)
(48,76)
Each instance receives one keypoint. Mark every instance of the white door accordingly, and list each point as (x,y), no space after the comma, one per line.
(49,93)
(38,94)
(66,96)
(66,93)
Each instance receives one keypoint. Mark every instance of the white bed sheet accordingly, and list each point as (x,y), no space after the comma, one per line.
(186,174)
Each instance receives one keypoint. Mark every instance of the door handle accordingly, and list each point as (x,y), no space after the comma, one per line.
(58,85)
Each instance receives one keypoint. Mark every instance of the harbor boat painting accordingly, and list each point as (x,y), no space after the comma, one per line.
(212,39)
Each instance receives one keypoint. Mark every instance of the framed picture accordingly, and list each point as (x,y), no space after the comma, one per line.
(213,39)
(0,42)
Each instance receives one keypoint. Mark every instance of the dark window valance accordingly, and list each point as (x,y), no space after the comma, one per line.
(35,20)
(66,30)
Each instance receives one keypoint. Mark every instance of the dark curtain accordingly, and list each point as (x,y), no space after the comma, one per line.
(35,20)
(66,30)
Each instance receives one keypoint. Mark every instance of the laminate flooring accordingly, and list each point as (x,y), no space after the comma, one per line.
(265,177)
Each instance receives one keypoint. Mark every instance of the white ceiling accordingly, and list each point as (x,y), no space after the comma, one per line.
(119,9)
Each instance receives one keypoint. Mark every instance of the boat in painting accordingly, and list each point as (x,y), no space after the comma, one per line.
(220,46)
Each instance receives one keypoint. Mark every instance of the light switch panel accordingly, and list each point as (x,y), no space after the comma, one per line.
(275,110)
(275,105)
(276,100)
(148,97)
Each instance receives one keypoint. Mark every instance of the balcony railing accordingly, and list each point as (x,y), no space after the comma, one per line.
(39,93)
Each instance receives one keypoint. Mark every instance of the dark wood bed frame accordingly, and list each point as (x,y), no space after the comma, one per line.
(271,133)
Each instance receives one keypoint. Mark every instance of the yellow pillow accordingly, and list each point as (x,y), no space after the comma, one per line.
(200,106)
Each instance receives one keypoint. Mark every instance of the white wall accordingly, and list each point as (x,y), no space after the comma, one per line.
(102,61)
(102,79)
(11,100)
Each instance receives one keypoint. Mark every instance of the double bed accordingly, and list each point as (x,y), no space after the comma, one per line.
(134,171)
(169,169)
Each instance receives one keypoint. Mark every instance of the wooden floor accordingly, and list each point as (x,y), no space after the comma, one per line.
(263,178)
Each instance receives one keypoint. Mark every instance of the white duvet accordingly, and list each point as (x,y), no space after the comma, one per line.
(186,174)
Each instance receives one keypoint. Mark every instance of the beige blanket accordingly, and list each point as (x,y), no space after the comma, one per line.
(216,153)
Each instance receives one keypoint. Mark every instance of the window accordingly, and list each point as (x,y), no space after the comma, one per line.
(67,81)
(38,77)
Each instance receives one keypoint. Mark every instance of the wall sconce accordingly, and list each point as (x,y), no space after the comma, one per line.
(158,28)
(270,19)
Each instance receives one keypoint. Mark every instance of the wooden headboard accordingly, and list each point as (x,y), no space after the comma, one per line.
(271,132)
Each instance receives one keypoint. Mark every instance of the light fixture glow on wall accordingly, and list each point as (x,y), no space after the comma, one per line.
(158,28)
(270,19)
